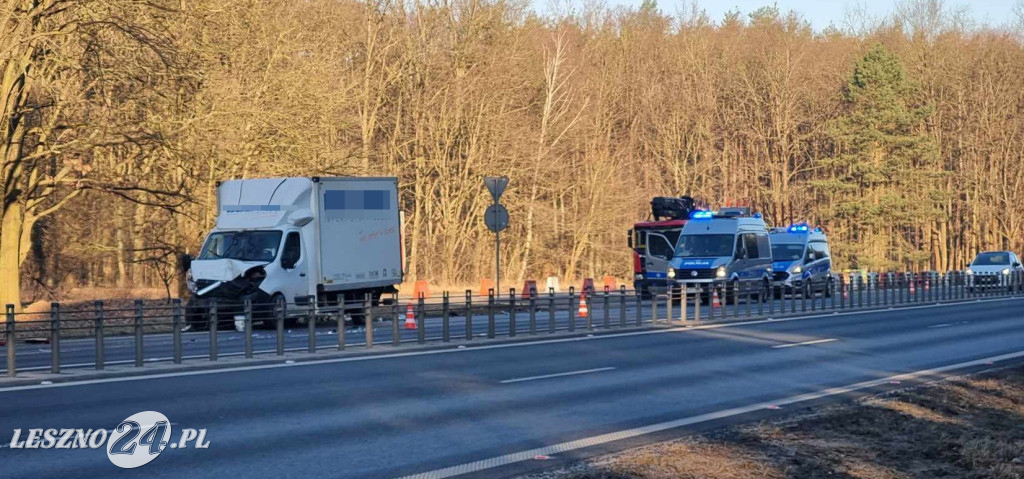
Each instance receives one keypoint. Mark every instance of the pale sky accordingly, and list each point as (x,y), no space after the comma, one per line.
(821,13)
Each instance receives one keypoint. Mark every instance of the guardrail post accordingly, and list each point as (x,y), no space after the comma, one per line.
(367,301)
(761,293)
(551,310)
(214,320)
(55,338)
(698,298)
(98,308)
(842,291)
(339,318)
(469,315)
(572,308)
(512,312)
(490,314)
(748,297)
(396,337)
(176,317)
(247,326)
(421,321)
(640,306)
(139,352)
(654,308)
(12,366)
(735,286)
(872,290)
(622,306)
(311,314)
(668,306)
(445,317)
(279,317)
(607,313)
(533,312)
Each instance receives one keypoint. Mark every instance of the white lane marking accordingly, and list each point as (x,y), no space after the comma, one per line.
(461,349)
(507,459)
(943,325)
(805,343)
(556,375)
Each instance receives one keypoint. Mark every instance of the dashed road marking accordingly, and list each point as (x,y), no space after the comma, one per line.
(805,343)
(556,375)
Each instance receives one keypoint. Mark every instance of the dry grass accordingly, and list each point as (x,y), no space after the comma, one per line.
(970,427)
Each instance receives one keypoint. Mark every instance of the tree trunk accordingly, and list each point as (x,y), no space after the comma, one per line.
(10,255)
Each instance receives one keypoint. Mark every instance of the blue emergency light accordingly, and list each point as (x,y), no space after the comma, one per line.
(702,215)
(798,228)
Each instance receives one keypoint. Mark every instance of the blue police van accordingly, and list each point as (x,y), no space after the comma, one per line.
(801,261)
(719,249)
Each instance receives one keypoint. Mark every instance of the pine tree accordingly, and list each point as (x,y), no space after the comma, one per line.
(878,183)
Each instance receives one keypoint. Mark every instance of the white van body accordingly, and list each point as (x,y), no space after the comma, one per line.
(295,238)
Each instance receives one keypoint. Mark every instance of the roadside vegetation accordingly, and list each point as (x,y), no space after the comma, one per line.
(968,427)
(900,134)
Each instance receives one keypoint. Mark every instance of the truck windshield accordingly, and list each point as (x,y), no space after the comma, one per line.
(991,259)
(787,251)
(242,245)
(704,246)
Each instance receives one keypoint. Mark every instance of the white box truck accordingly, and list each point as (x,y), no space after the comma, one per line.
(279,241)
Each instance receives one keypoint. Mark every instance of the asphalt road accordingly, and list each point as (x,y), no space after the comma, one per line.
(415,413)
(120,349)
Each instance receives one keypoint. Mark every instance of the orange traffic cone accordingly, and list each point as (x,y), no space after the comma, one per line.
(584,311)
(715,303)
(410,318)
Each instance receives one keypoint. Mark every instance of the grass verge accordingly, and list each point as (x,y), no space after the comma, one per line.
(964,427)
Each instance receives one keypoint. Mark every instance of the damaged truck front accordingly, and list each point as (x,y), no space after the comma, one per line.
(283,241)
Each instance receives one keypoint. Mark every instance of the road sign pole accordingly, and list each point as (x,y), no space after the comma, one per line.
(497,260)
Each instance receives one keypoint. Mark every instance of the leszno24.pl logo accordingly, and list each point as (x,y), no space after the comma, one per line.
(135,442)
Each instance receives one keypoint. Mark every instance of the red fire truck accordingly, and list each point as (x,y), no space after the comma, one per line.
(654,241)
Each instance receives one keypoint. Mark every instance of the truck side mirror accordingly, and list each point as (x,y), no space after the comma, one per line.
(629,241)
(184,262)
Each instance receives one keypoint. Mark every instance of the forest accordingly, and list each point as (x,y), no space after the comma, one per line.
(902,135)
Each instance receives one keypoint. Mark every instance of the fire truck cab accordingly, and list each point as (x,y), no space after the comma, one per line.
(653,243)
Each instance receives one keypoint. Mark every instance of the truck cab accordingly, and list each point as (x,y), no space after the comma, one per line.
(653,243)
(719,248)
(801,261)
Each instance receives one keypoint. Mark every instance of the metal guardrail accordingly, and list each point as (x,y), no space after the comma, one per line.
(399,322)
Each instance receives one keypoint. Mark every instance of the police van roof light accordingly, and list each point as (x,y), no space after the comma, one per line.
(798,228)
(702,215)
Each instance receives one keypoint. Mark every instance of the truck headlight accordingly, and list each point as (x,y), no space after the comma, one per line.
(671,273)
(720,273)
(190,284)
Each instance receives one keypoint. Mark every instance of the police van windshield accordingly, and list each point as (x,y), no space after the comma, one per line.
(242,245)
(704,246)
(991,259)
(787,251)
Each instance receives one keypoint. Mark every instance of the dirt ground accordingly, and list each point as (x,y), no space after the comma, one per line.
(968,427)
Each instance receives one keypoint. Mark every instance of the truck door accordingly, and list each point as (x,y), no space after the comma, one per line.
(293,268)
(659,252)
